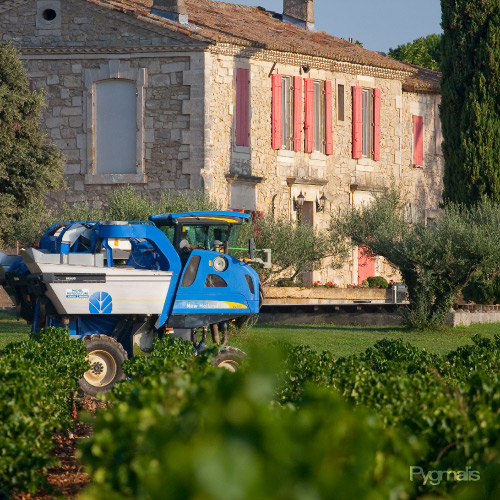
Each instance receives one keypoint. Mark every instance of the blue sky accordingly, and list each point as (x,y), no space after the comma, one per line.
(378,24)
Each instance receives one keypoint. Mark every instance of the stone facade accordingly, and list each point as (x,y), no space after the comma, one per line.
(185,109)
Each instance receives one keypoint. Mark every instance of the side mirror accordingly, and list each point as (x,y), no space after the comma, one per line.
(251,248)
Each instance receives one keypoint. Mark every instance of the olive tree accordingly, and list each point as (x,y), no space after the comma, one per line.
(296,248)
(435,258)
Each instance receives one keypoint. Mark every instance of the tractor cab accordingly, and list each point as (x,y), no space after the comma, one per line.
(216,231)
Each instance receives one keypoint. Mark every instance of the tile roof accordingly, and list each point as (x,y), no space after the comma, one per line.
(213,22)
(425,80)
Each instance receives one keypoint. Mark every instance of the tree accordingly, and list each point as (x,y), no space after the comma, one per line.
(424,51)
(436,260)
(470,103)
(29,166)
(295,248)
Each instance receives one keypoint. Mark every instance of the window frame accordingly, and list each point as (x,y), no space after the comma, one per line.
(367,123)
(108,71)
(319,117)
(287,111)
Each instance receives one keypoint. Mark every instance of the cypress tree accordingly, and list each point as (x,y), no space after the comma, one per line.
(470,105)
(29,165)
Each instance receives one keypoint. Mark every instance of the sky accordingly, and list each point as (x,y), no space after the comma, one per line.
(378,24)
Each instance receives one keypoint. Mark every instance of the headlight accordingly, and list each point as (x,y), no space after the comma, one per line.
(220,263)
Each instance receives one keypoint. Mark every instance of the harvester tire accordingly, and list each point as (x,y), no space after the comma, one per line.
(106,356)
(230,358)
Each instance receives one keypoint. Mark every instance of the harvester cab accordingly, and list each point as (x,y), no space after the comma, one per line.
(118,285)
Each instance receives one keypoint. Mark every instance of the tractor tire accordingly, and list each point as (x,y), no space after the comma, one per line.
(106,356)
(230,358)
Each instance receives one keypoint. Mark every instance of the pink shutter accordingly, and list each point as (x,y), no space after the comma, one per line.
(328,118)
(357,122)
(242,107)
(276,111)
(309,115)
(418,140)
(297,113)
(376,124)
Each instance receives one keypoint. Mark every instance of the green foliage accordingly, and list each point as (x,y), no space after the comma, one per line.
(295,248)
(482,289)
(29,165)
(435,260)
(182,429)
(377,282)
(207,433)
(424,51)
(38,379)
(450,403)
(470,104)
(124,203)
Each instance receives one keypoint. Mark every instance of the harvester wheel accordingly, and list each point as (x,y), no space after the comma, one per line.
(106,356)
(229,358)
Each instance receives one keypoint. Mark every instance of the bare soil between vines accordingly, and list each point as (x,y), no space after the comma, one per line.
(68,479)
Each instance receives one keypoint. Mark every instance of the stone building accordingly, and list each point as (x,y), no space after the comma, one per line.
(255,107)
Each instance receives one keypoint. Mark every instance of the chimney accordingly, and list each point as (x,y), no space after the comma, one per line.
(300,13)
(175,10)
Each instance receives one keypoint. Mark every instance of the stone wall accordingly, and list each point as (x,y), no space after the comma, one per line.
(94,43)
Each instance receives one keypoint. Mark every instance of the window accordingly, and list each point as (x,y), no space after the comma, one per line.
(340,102)
(319,117)
(242,107)
(215,281)
(115,127)
(418,140)
(286,113)
(366,123)
(367,114)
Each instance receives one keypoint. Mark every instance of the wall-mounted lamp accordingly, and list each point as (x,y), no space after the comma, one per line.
(321,204)
(298,204)
(306,69)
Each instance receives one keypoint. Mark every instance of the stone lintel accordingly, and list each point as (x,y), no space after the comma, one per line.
(250,179)
(306,181)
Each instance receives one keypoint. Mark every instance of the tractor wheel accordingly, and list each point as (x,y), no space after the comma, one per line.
(229,358)
(106,356)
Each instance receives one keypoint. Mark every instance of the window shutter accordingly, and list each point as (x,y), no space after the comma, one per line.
(309,115)
(297,113)
(376,124)
(242,107)
(328,118)
(357,122)
(276,111)
(418,140)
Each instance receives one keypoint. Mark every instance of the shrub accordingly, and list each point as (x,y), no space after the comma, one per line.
(39,377)
(218,436)
(377,282)
(482,289)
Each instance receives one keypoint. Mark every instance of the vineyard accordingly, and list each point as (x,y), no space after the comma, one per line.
(293,424)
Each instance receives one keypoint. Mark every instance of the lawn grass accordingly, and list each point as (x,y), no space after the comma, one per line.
(340,340)
(346,340)
(12,330)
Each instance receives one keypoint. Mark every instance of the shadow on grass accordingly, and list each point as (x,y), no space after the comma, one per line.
(338,328)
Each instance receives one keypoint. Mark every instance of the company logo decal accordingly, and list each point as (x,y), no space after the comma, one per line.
(100,303)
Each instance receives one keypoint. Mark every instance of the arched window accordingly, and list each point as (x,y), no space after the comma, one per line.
(115,133)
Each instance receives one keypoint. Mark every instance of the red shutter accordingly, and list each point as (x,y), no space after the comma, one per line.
(357,122)
(242,107)
(328,118)
(376,124)
(297,113)
(276,111)
(418,140)
(309,115)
